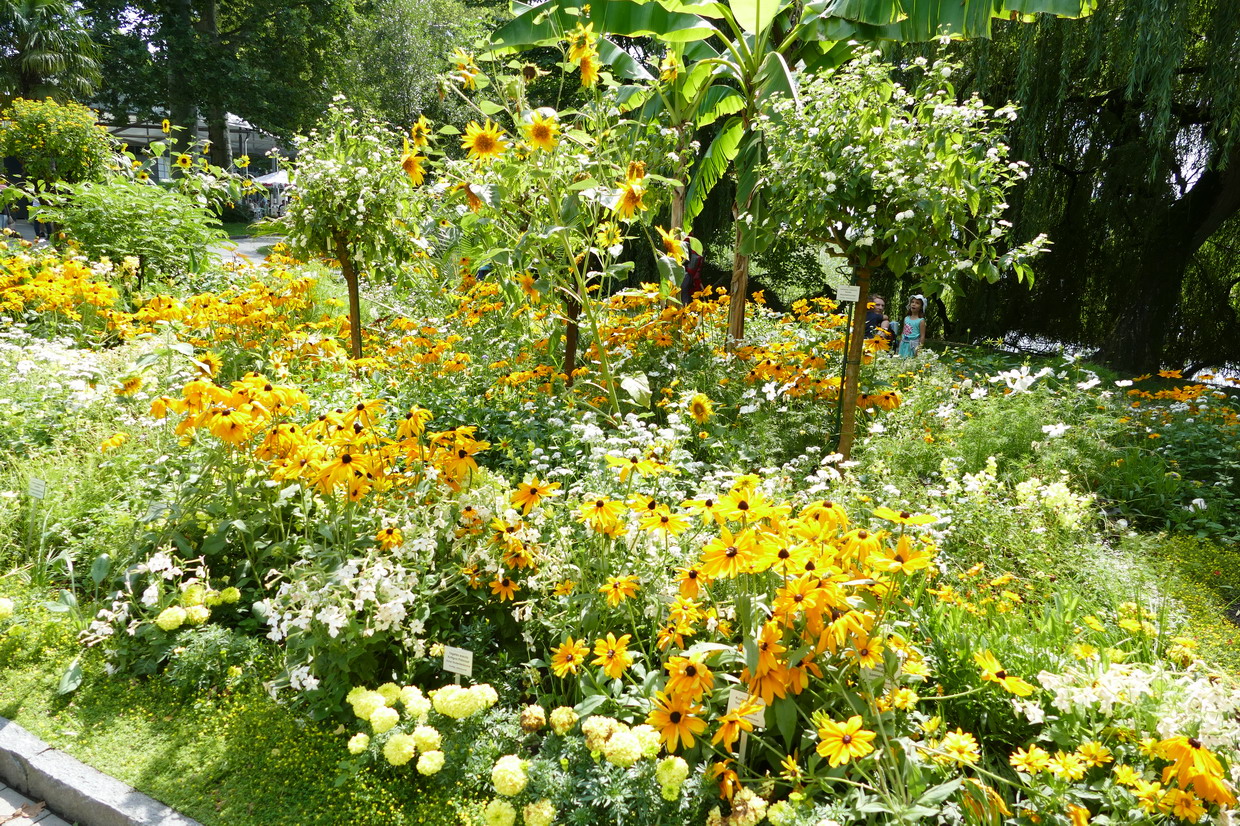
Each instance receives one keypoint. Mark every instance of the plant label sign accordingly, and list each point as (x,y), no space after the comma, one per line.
(37,489)
(458,661)
(848,292)
(736,697)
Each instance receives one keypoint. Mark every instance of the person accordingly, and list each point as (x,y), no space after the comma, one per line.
(914,333)
(876,318)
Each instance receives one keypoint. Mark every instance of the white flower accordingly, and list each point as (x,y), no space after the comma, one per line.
(1054,431)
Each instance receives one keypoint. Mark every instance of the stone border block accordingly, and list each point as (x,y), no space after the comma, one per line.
(74,790)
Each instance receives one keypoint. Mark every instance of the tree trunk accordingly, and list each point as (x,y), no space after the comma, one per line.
(182,109)
(220,147)
(1139,333)
(739,294)
(852,365)
(355,300)
(572,330)
(678,207)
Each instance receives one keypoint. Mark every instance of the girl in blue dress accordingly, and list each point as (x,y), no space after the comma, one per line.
(914,335)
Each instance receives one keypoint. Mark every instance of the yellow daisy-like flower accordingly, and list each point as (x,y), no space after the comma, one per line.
(619,588)
(992,672)
(412,162)
(589,70)
(242,161)
(701,408)
(420,132)
(484,142)
(629,200)
(903,517)
(184,161)
(673,247)
(608,235)
(165,126)
(581,41)
(843,742)
(543,132)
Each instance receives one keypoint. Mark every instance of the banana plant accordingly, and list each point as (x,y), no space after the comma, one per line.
(737,57)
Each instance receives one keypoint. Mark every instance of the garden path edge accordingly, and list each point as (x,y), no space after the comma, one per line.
(74,790)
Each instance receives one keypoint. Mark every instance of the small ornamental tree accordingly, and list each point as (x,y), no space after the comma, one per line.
(908,179)
(55,141)
(346,201)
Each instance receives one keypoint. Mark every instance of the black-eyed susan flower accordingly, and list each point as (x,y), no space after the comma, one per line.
(529,494)
(843,742)
(569,657)
(505,588)
(612,655)
(619,588)
(993,672)
(676,719)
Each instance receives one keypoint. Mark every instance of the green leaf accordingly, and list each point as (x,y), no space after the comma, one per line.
(546,24)
(72,678)
(785,710)
(489,107)
(713,166)
(100,567)
(754,16)
(719,102)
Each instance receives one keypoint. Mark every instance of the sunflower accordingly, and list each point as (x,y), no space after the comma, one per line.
(701,408)
(843,742)
(542,132)
(608,235)
(581,42)
(589,70)
(629,200)
(184,161)
(165,126)
(242,161)
(128,386)
(675,719)
(669,68)
(505,588)
(569,657)
(484,142)
(420,132)
(412,164)
(673,247)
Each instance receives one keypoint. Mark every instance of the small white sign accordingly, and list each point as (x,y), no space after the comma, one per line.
(737,697)
(848,292)
(458,660)
(37,489)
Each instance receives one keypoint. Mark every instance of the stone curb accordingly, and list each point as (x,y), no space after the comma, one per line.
(74,790)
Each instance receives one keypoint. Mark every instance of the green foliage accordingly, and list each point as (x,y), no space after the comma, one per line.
(55,141)
(168,232)
(47,50)
(914,183)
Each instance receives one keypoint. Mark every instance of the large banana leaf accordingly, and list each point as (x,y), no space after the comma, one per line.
(755,15)
(713,166)
(546,23)
(718,102)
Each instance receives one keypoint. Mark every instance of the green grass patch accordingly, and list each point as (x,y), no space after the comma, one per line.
(235,758)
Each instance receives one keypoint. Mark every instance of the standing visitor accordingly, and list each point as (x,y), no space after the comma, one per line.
(692,283)
(914,337)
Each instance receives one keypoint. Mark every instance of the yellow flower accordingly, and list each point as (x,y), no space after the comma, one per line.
(619,588)
(184,161)
(242,161)
(612,655)
(529,494)
(608,235)
(542,132)
(504,588)
(1032,761)
(701,408)
(674,247)
(165,126)
(589,70)
(903,517)
(581,41)
(129,386)
(676,719)
(420,132)
(993,672)
(569,657)
(960,747)
(484,142)
(412,164)
(843,742)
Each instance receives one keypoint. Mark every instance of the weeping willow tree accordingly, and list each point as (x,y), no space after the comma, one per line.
(1131,122)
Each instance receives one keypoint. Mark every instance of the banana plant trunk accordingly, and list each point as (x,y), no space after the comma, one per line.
(740,289)
(852,365)
(355,302)
(678,208)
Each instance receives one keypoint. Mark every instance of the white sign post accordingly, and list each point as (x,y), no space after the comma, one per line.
(458,661)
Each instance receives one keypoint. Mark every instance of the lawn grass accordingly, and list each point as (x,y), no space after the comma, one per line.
(236,758)
(236,228)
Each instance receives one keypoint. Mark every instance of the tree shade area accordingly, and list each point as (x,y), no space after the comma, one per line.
(625,412)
